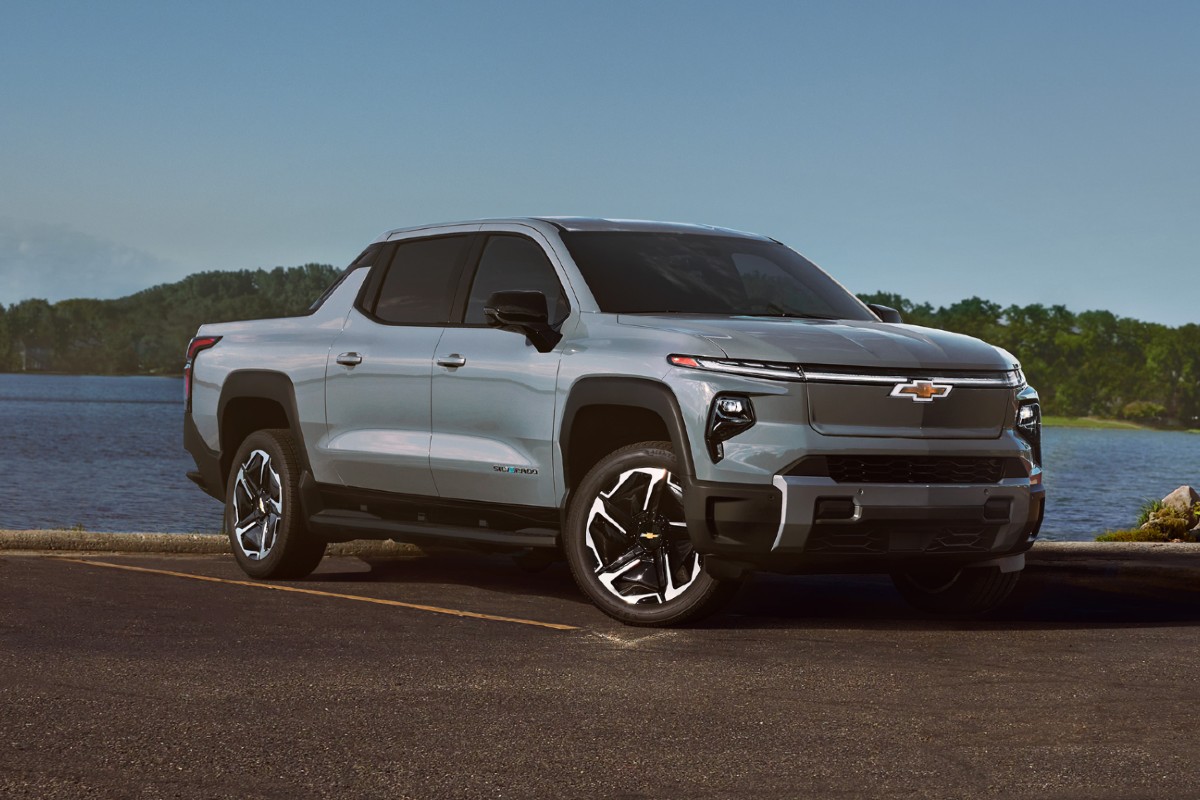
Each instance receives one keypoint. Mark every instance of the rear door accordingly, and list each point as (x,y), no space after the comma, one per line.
(377,380)
(493,392)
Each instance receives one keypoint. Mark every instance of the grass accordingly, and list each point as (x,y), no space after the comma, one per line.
(1090,422)
(1140,535)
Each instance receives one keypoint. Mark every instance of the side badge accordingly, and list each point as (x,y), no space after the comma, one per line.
(514,470)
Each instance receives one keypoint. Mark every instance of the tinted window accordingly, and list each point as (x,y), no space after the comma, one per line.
(514,262)
(365,259)
(699,274)
(419,284)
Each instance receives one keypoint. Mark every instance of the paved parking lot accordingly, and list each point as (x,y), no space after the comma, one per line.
(462,676)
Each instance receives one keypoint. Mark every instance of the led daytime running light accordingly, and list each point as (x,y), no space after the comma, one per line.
(756,369)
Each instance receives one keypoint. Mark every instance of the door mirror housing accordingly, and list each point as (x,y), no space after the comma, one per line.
(516,309)
(527,312)
(886,313)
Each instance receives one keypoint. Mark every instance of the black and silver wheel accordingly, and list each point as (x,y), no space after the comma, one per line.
(628,546)
(262,515)
(966,592)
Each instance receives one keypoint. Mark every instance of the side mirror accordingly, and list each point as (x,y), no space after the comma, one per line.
(886,313)
(516,309)
(525,311)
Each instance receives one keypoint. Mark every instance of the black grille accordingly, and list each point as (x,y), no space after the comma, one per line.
(901,537)
(909,469)
(847,540)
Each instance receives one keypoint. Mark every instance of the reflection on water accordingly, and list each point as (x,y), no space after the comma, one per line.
(107,453)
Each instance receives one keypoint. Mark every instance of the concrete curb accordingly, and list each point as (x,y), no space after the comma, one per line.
(1174,562)
(168,543)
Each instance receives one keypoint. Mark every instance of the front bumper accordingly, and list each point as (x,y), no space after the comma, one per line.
(814,524)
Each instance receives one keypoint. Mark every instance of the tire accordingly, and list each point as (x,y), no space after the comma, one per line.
(967,592)
(262,501)
(628,546)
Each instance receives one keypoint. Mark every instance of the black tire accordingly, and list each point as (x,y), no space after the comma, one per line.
(262,494)
(654,576)
(967,592)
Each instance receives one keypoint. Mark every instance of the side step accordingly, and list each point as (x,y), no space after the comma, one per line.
(359,525)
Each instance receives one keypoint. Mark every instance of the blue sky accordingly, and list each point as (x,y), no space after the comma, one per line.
(1024,152)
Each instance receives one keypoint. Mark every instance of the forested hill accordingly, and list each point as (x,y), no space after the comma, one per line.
(148,332)
(1091,363)
(1088,363)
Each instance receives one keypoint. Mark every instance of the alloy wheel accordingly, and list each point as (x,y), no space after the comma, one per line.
(638,539)
(257,505)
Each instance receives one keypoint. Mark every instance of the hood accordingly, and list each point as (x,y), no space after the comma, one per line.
(833,342)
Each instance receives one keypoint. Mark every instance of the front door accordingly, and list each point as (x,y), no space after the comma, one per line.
(493,392)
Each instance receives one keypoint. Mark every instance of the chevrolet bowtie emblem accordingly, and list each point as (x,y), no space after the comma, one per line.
(649,535)
(921,391)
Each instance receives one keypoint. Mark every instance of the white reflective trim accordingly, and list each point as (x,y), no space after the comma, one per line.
(781,485)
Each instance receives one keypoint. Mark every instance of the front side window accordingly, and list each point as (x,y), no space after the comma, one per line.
(647,273)
(511,263)
(419,285)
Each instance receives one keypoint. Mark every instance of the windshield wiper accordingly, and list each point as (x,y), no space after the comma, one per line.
(774,310)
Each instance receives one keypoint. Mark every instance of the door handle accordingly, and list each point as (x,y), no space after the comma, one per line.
(349,359)
(452,360)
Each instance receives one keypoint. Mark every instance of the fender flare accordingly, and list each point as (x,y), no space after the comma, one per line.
(643,393)
(265,385)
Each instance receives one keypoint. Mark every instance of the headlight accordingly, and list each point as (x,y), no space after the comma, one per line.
(758,369)
(730,415)
(1029,427)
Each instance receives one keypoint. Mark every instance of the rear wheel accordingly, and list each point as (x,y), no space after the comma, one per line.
(266,528)
(627,543)
(966,592)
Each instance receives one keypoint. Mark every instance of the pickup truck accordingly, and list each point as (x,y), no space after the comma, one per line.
(668,407)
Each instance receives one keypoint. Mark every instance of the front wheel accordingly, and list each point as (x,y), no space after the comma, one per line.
(627,543)
(267,530)
(966,592)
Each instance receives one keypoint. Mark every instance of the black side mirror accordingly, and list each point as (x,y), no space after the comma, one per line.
(886,313)
(525,311)
(516,309)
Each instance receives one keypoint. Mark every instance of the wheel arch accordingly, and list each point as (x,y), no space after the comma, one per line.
(647,408)
(253,400)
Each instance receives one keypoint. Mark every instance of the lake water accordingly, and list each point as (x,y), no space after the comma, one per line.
(106,453)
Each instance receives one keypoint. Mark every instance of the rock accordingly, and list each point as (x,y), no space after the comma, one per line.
(1184,500)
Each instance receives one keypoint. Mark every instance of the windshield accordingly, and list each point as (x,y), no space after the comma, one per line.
(689,273)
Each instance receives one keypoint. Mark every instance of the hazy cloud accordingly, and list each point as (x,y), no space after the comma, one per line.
(57,262)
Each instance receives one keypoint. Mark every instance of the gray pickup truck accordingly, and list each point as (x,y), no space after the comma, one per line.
(669,407)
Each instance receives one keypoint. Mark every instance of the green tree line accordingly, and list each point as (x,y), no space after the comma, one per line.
(1091,363)
(148,332)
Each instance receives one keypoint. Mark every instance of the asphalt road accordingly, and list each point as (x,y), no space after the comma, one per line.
(124,683)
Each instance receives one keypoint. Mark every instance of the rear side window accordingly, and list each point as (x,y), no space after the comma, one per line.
(365,259)
(514,262)
(419,284)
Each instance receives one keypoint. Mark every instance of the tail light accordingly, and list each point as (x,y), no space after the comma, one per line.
(195,346)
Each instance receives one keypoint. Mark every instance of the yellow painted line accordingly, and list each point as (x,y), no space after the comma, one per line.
(454,612)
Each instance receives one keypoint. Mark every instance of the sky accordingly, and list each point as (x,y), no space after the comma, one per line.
(1024,152)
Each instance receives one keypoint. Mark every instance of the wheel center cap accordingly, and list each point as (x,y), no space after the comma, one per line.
(651,529)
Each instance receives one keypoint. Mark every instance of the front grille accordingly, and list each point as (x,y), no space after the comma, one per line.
(914,469)
(901,537)
(846,540)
